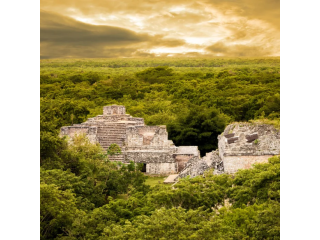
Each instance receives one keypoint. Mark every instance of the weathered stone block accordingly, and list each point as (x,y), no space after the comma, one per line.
(232,139)
(252,137)
(229,135)
(233,163)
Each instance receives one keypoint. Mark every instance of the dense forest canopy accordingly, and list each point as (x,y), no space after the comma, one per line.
(86,196)
(195,98)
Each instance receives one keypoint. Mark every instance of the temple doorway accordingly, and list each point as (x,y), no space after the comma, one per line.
(144,167)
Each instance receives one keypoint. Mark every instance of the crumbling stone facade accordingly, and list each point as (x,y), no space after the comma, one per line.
(243,144)
(140,143)
(194,167)
(197,166)
(239,147)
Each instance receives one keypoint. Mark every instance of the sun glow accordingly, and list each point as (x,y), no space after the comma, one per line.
(137,21)
(181,49)
(177,9)
(197,40)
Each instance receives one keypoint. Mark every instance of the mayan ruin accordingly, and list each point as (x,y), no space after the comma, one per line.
(139,143)
(239,146)
(243,144)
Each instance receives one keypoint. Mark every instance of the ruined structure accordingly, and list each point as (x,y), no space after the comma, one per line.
(239,147)
(243,144)
(140,143)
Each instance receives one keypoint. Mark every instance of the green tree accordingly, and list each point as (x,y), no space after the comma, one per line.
(199,128)
(57,211)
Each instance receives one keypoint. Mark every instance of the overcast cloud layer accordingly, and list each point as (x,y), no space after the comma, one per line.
(126,28)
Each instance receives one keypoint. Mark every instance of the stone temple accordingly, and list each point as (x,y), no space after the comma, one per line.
(239,147)
(139,143)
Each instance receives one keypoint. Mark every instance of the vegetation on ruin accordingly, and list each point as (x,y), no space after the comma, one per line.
(85,196)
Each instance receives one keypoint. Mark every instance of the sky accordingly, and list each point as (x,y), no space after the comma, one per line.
(153,28)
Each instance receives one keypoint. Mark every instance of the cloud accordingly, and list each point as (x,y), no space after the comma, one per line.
(238,50)
(265,10)
(250,38)
(111,6)
(99,28)
(162,41)
(62,36)
(57,28)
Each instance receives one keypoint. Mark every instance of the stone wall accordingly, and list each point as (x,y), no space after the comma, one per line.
(161,168)
(181,160)
(137,121)
(149,156)
(183,154)
(157,161)
(249,139)
(243,144)
(191,150)
(71,132)
(114,110)
(157,136)
(74,130)
(233,163)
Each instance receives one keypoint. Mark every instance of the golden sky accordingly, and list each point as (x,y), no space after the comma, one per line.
(148,28)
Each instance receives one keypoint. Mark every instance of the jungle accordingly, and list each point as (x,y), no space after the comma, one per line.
(86,196)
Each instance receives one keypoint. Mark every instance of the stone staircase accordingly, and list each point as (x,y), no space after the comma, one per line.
(112,133)
(171,179)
